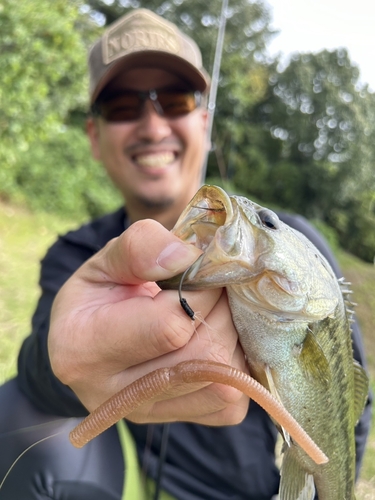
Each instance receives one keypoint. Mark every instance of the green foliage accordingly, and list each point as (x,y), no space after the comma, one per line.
(59,175)
(356,225)
(43,77)
(24,240)
(300,139)
(328,232)
(42,67)
(247,22)
(318,150)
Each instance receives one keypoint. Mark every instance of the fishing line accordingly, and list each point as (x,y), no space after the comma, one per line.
(23,453)
(162,457)
(35,427)
(185,306)
(165,433)
(147,450)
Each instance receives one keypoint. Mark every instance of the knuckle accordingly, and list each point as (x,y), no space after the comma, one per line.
(234,414)
(68,370)
(230,396)
(141,245)
(235,408)
(129,241)
(64,371)
(63,348)
(234,404)
(174,332)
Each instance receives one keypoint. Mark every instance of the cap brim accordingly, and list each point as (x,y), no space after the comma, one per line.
(198,79)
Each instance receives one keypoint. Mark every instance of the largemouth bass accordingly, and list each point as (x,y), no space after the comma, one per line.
(288,308)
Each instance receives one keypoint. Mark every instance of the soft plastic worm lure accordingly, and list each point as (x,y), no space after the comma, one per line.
(159,381)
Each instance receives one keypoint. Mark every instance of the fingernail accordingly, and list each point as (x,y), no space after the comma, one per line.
(177,256)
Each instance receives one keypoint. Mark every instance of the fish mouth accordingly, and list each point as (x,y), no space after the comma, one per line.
(213,223)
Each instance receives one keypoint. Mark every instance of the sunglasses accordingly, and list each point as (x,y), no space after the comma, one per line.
(129,105)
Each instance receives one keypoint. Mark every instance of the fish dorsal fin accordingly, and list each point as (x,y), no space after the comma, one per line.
(361,386)
(313,360)
(346,291)
(361,381)
(296,483)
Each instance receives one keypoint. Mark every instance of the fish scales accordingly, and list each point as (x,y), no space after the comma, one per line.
(322,409)
(289,312)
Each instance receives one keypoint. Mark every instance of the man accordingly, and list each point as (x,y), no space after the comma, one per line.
(101,321)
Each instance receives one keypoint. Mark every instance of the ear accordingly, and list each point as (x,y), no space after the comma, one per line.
(205,119)
(204,113)
(92,130)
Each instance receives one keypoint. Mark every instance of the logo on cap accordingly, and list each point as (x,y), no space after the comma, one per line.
(137,32)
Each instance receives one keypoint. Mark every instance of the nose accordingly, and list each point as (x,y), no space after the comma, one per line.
(152,126)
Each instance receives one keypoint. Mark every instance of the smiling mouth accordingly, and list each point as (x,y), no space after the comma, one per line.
(155,160)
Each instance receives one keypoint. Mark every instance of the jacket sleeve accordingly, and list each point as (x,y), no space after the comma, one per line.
(35,377)
(363,426)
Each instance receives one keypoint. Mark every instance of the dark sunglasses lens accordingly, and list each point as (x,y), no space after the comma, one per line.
(176,104)
(126,107)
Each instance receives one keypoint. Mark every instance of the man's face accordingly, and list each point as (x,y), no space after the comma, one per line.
(155,161)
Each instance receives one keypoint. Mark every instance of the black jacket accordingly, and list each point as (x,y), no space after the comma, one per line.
(202,462)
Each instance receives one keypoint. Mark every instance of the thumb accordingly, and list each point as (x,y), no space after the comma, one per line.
(146,251)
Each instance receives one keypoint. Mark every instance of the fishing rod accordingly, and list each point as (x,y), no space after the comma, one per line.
(211,113)
(215,80)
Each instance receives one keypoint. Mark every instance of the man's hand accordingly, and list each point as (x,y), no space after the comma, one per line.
(111,324)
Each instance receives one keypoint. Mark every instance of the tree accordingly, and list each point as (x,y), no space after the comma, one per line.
(300,139)
(42,68)
(43,78)
(319,124)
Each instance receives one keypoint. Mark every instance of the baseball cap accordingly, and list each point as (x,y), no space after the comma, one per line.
(144,39)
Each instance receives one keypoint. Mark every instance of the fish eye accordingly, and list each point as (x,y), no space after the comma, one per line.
(269,219)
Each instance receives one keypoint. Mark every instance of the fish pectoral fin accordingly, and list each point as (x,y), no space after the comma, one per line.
(273,390)
(296,483)
(361,387)
(314,361)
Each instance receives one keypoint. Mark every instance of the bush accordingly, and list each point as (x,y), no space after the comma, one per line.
(60,176)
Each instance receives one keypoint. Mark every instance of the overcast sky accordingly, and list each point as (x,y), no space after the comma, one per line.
(316,24)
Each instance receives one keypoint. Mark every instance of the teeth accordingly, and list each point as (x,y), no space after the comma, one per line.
(155,160)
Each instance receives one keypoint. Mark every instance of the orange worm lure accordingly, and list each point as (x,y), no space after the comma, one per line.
(160,381)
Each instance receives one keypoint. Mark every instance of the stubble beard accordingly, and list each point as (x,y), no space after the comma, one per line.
(155,205)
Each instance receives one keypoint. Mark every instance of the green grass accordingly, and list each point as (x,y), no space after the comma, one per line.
(24,239)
